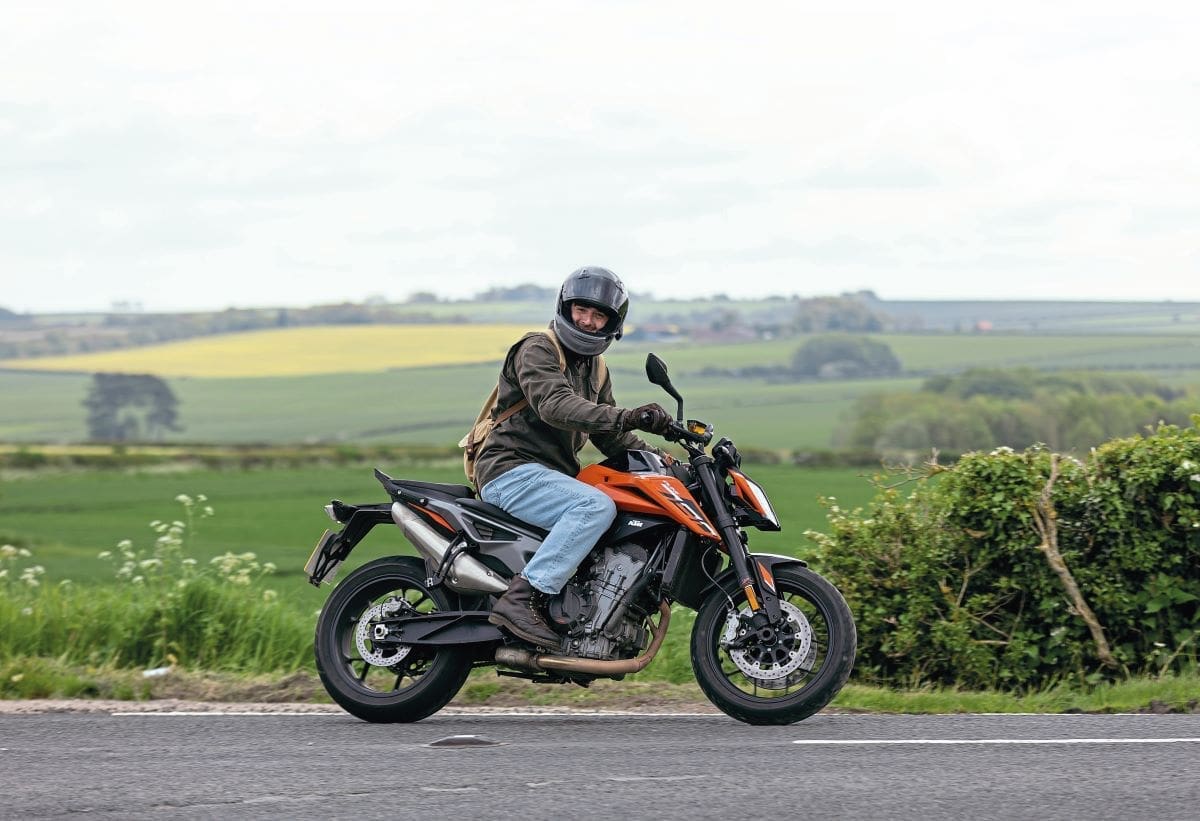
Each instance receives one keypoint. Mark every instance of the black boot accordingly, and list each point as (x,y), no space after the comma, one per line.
(518,612)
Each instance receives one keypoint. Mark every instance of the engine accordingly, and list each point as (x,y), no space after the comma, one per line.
(588,602)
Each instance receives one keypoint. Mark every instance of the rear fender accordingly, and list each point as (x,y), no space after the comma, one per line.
(334,547)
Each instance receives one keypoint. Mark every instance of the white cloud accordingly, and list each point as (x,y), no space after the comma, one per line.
(199,155)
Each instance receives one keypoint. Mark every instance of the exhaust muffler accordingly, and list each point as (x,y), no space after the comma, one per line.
(528,660)
(466,574)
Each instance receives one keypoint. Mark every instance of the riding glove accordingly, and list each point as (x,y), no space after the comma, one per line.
(650,418)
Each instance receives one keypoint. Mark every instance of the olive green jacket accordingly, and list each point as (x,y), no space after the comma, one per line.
(565,410)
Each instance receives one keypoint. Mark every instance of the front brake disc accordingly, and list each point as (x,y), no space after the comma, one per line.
(771,666)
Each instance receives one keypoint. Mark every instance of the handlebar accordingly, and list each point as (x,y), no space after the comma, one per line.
(678,433)
(675,431)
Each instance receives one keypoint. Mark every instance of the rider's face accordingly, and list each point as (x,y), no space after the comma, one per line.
(587,318)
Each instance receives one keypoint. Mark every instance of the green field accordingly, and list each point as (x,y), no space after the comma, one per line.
(67,519)
(435,405)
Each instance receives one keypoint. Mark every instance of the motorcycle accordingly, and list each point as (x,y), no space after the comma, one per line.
(772,643)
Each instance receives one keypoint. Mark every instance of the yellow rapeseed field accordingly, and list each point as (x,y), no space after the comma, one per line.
(298,351)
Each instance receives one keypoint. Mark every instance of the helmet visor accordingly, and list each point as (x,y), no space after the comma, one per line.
(598,291)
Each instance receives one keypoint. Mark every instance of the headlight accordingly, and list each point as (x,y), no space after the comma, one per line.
(753,493)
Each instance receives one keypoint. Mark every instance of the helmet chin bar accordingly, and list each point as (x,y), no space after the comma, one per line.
(580,342)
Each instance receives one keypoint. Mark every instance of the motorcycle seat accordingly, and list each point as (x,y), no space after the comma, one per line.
(437,489)
(500,516)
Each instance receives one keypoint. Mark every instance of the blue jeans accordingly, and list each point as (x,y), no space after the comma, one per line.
(575,514)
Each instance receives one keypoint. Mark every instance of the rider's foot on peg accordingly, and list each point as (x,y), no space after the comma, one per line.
(517,611)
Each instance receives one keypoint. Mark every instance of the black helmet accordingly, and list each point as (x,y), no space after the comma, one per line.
(599,288)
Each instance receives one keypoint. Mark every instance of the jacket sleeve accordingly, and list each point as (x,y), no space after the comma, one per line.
(553,399)
(616,441)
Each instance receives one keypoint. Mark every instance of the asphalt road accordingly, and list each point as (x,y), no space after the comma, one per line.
(583,767)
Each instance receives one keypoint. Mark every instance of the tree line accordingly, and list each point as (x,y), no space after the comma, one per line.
(983,408)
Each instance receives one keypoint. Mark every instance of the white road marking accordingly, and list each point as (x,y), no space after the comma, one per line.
(866,741)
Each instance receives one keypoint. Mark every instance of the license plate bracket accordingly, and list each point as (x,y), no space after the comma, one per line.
(323,564)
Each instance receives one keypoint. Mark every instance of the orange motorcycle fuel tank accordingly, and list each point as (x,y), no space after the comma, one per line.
(651,494)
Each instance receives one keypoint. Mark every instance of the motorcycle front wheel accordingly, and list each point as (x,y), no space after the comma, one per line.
(371,675)
(786,674)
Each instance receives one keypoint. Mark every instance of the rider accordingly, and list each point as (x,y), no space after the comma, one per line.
(528,464)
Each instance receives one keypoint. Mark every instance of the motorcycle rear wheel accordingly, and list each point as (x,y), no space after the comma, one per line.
(790,679)
(389,684)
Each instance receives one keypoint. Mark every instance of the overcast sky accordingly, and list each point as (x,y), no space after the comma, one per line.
(203,155)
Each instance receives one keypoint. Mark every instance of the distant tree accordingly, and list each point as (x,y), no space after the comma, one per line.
(527,292)
(835,356)
(124,407)
(422,298)
(1008,384)
(837,313)
(5,313)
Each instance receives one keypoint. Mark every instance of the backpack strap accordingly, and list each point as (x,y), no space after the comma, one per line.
(516,407)
(562,356)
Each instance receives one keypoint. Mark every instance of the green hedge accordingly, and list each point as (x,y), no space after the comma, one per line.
(951,583)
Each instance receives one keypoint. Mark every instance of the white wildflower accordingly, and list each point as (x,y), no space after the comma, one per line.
(7,551)
(124,544)
(1003,450)
(270,596)
(26,611)
(184,499)
(104,554)
(24,553)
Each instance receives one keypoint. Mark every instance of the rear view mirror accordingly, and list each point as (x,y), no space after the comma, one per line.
(656,372)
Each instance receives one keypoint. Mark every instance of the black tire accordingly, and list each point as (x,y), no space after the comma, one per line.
(821,665)
(420,682)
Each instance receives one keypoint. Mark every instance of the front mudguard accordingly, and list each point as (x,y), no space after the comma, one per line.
(764,561)
(764,565)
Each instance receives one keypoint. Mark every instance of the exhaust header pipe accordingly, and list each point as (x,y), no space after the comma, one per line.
(467,574)
(525,659)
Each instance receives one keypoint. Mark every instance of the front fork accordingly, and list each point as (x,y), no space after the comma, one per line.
(754,579)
